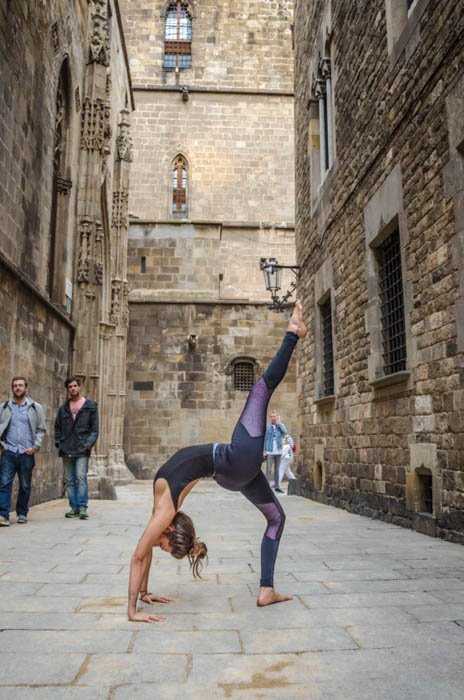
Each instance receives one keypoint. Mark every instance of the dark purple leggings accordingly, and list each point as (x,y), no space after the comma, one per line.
(238,465)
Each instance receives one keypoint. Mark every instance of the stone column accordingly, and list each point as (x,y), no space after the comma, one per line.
(94,353)
(119,310)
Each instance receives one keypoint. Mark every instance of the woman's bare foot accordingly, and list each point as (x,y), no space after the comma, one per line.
(268,596)
(296,323)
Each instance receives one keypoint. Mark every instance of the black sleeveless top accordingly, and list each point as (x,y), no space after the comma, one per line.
(185,466)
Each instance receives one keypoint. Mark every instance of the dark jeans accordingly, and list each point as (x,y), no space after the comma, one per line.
(22,465)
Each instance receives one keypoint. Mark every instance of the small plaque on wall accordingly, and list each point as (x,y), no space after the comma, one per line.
(143,386)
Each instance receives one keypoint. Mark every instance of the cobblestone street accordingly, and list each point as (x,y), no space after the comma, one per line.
(378,610)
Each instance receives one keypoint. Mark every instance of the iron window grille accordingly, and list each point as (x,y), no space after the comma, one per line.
(427,493)
(178,36)
(328,384)
(179,187)
(244,376)
(392,305)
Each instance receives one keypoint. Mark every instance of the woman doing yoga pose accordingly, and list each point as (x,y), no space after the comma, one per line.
(236,467)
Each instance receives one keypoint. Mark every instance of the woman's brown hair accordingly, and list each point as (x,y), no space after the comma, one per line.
(184,542)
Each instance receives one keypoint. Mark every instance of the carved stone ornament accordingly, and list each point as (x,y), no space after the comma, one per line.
(125,304)
(325,67)
(96,129)
(63,186)
(319,88)
(99,39)
(120,213)
(90,257)
(124,140)
(55,37)
(83,263)
(98,265)
(116,299)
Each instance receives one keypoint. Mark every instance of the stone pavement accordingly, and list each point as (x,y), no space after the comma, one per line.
(378,610)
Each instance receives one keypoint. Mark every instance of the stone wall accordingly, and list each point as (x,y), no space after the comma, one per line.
(231,118)
(203,281)
(189,397)
(234,44)
(398,135)
(239,151)
(212,262)
(35,343)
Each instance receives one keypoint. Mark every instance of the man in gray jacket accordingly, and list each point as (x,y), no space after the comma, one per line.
(22,427)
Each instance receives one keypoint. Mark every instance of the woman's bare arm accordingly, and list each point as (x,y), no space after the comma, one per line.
(140,561)
(144,593)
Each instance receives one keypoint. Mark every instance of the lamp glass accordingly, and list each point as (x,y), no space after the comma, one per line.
(272,278)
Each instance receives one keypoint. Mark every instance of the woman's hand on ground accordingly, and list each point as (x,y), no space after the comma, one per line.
(150,598)
(145,617)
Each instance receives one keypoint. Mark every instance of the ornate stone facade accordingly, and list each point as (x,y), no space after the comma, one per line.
(380,165)
(60,146)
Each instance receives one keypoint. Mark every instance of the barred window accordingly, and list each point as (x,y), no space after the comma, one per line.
(327,349)
(179,186)
(392,304)
(244,375)
(178,36)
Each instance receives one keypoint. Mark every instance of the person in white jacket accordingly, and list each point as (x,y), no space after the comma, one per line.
(286,458)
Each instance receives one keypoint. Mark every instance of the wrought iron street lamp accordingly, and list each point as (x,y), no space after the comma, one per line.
(272,272)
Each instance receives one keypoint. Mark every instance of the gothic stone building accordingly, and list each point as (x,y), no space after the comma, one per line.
(212,191)
(380,237)
(65,155)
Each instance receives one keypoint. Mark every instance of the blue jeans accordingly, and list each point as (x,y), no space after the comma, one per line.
(12,463)
(273,460)
(75,481)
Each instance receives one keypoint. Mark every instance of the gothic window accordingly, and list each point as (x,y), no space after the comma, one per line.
(61,188)
(327,388)
(392,304)
(244,375)
(323,93)
(178,36)
(179,187)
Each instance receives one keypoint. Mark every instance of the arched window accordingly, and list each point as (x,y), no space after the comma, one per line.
(179,186)
(244,375)
(61,189)
(178,36)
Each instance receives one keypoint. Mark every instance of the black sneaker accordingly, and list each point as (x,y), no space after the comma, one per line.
(278,490)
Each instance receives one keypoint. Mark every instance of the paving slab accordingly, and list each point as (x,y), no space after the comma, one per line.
(378,611)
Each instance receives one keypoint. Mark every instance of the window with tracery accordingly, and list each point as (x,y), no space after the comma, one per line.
(179,187)
(323,92)
(178,36)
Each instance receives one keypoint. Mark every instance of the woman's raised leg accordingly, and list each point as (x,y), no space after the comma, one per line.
(253,417)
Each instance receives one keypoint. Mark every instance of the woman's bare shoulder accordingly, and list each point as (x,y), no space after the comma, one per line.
(162,497)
